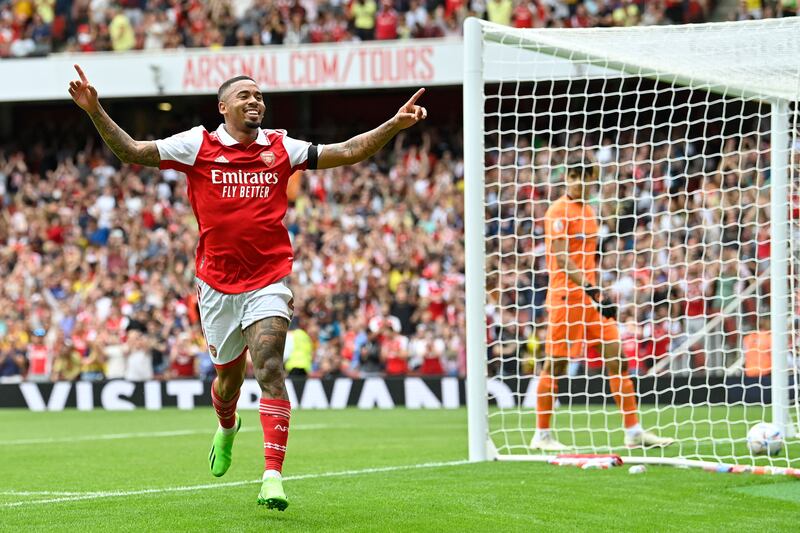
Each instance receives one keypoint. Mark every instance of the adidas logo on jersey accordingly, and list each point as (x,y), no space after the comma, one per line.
(221,159)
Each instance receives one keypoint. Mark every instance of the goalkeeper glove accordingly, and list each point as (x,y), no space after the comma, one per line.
(606,306)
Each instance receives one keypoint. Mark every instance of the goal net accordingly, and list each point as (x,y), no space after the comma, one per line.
(692,132)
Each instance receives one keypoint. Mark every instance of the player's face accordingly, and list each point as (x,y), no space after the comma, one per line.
(243,105)
(575,186)
(580,186)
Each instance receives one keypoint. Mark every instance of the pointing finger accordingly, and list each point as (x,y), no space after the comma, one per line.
(415,97)
(81,74)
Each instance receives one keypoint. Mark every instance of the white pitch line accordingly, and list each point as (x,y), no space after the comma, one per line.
(117,436)
(41,493)
(191,488)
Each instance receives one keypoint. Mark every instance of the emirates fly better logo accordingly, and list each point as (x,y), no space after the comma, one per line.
(238,183)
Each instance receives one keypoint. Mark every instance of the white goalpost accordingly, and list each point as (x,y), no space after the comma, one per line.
(693,133)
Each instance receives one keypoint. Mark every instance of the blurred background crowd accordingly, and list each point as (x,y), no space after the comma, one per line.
(97,259)
(98,267)
(684,246)
(39,27)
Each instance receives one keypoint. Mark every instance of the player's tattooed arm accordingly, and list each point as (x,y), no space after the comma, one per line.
(266,339)
(123,146)
(128,150)
(367,144)
(358,148)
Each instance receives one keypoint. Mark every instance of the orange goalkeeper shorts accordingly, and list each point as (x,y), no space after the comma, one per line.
(575,325)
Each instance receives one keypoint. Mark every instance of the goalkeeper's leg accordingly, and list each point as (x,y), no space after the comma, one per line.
(546,391)
(625,398)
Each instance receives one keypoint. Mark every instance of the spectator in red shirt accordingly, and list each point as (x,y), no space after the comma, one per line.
(394,352)
(581,18)
(39,358)
(658,335)
(434,354)
(522,16)
(452,7)
(386,22)
(85,38)
(183,358)
(630,335)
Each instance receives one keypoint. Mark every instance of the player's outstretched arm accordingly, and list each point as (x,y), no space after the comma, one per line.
(123,146)
(367,144)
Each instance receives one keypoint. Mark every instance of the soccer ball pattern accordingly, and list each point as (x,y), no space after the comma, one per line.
(765,439)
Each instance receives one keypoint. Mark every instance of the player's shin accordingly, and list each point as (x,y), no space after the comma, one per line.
(220,456)
(546,390)
(625,398)
(275,423)
(225,409)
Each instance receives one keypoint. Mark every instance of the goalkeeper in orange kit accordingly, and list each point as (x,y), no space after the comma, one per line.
(578,316)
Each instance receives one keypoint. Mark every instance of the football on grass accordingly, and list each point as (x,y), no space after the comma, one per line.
(765,439)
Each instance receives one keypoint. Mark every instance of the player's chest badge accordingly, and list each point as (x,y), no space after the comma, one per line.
(268,158)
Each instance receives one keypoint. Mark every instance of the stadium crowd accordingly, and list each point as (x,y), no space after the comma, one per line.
(98,260)
(39,27)
(682,233)
(98,266)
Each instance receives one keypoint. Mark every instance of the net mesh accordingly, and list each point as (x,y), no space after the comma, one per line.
(677,123)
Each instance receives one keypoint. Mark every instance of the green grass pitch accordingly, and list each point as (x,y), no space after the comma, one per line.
(703,432)
(346,470)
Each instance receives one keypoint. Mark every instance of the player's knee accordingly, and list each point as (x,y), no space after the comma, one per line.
(611,350)
(270,374)
(616,366)
(555,367)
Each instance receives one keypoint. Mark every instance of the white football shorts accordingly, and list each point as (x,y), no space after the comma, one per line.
(225,316)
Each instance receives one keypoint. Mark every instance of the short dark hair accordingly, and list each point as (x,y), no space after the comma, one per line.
(584,170)
(228,83)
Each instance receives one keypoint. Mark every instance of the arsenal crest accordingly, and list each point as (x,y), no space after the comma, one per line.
(268,158)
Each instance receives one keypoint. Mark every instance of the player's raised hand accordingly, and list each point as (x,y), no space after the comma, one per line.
(410,113)
(83,93)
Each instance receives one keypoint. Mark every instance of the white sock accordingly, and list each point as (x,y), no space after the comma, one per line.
(228,431)
(271,473)
(634,430)
(542,434)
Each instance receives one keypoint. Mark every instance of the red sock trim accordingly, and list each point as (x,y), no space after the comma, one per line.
(275,416)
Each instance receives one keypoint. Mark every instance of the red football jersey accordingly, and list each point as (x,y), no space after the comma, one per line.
(238,195)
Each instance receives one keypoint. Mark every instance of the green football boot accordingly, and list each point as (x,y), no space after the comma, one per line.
(219,459)
(272,494)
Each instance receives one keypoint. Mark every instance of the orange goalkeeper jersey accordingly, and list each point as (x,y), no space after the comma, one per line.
(576,222)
